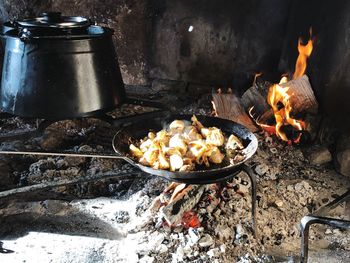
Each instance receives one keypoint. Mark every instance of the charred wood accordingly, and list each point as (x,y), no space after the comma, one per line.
(184,202)
(256,96)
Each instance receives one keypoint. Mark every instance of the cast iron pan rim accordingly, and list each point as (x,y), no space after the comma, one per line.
(213,178)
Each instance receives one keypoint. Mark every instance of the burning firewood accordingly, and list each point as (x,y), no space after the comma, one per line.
(287,99)
(302,97)
(182,203)
(228,106)
(177,201)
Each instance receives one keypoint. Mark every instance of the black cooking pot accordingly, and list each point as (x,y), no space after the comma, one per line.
(58,67)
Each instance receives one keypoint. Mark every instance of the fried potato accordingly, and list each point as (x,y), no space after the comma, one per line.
(233,143)
(135,151)
(213,136)
(182,145)
(196,123)
(170,151)
(187,168)
(163,162)
(151,135)
(190,133)
(145,145)
(197,151)
(215,156)
(176,162)
(162,136)
(151,156)
(178,143)
(177,126)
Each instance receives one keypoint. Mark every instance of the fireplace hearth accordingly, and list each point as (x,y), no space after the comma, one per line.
(288,188)
(229,59)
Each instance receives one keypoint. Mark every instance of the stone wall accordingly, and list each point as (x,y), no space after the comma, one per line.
(217,42)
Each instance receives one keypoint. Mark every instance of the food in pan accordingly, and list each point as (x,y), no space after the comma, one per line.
(184,145)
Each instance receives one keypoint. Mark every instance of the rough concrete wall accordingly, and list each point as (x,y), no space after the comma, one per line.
(126,17)
(229,39)
(329,64)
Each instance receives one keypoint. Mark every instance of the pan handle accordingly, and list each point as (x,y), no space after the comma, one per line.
(125,158)
(64,154)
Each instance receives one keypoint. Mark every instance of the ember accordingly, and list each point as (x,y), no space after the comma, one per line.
(190,219)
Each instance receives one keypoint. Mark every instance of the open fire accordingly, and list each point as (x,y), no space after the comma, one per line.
(279,98)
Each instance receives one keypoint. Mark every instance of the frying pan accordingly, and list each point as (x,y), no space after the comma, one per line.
(216,172)
(136,130)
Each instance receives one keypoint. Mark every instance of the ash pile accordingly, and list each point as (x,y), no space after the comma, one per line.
(135,220)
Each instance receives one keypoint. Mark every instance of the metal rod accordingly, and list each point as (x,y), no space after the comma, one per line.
(23,135)
(147,103)
(309,220)
(318,218)
(122,121)
(62,154)
(325,209)
(49,185)
(252,178)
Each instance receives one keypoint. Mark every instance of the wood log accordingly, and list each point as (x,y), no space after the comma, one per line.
(256,96)
(228,106)
(302,96)
(174,211)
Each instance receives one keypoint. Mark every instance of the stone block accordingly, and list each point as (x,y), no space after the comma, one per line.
(318,155)
(343,155)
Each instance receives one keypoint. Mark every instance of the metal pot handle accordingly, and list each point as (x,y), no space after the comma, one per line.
(24,35)
(52,16)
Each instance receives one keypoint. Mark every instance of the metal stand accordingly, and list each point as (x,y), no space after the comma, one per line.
(4,250)
(252,178)
(319,217)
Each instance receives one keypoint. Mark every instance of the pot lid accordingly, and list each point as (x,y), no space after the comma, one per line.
(55,20)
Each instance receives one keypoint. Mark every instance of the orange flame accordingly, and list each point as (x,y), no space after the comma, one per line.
(271,129)
(278,95)
(279,99)
(304,53)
